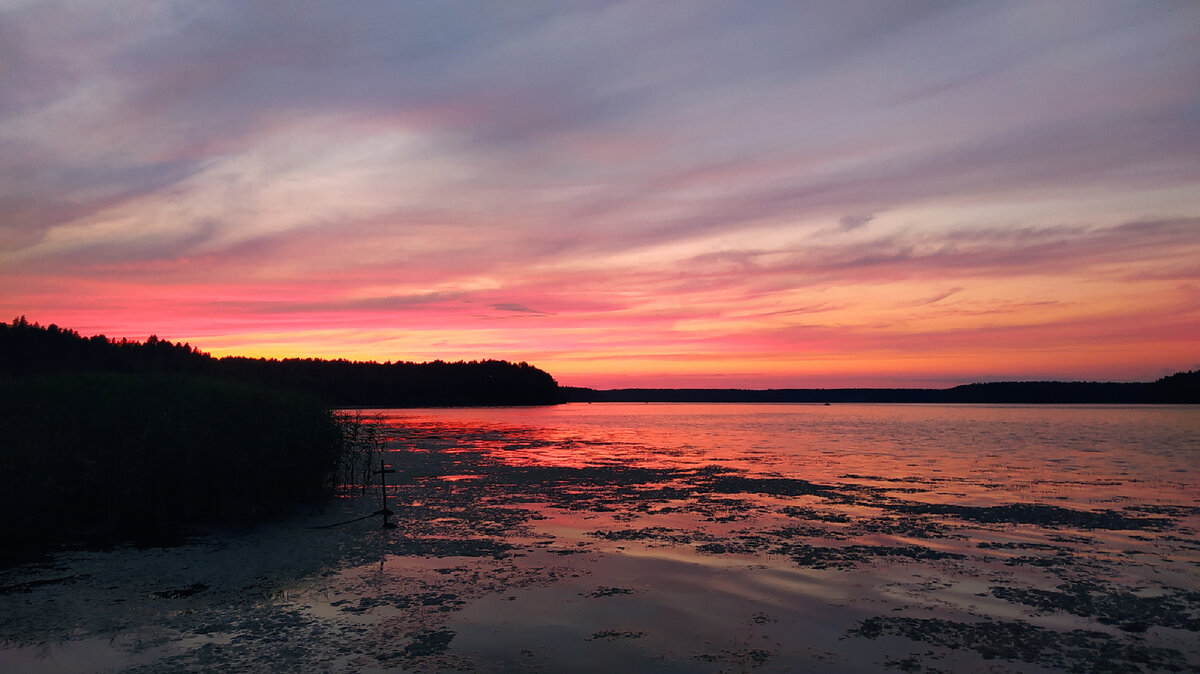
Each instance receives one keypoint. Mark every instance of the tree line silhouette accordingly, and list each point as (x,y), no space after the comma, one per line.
(108,440)
(28,348)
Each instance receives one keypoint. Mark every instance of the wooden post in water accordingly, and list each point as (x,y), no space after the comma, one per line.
(384,470)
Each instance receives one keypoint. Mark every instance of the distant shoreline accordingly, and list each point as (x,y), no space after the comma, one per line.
(1181,388)
(28,349)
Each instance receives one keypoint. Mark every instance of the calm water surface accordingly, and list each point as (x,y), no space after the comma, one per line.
(1082,454)
(681,538)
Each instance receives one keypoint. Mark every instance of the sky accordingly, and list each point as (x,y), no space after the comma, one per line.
(765,194)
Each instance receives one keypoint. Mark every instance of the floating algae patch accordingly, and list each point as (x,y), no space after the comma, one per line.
(1019,641)
(1060,560)
(609,592)
(742,658)
(652,534)
(614,635)
(783,541)
(912,527)
(1015,545)
(1131,612)
(1033,513)
(775,486)
(428,643)
(594,475)
(850,556)
(801,512)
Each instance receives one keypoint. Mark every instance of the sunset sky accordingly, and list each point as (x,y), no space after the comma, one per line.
(624,194)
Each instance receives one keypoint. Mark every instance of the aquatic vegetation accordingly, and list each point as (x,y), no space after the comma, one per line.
(1035,513)
(360,449)
(1020,641)
(1172,607)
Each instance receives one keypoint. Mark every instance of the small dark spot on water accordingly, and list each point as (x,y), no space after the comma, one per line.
(750,658)
(608,592)
(613,635)
(1016,545)
(762,619)
(177,593)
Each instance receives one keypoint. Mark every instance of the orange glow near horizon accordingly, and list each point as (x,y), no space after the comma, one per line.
(855,332)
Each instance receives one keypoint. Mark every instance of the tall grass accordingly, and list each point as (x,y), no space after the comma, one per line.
(142,455)
(361,448)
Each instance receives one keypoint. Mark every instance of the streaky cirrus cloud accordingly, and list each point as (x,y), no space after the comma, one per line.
(698,194)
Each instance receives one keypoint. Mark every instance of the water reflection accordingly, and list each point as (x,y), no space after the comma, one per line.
(1079,455)
(665,538)
(1034,510)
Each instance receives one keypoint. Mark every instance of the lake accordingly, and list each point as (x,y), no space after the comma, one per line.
(680,538)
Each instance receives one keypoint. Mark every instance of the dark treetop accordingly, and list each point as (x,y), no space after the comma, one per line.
(30,349)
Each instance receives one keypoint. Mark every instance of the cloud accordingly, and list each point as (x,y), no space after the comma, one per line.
(849,222)
(934,299)
(519,308)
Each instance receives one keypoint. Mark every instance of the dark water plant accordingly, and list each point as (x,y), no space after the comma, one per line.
(362,442)
(119,456)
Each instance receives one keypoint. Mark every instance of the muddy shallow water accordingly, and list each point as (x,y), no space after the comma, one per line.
(680,538)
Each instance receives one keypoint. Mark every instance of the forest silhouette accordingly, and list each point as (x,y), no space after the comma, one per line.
(117,440)
(28,348)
